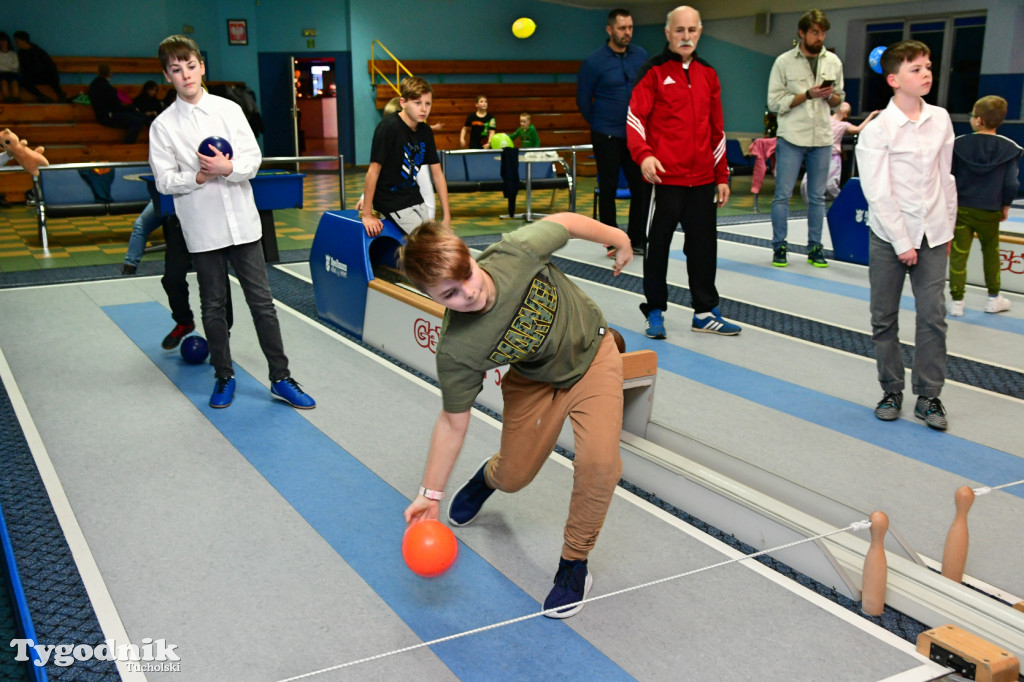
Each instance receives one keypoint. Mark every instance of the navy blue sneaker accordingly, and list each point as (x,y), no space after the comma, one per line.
(655,325)
(714,324)
(467,500)
(223,392)
(289,391)
(572,585)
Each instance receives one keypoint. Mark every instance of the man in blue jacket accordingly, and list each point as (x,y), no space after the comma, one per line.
(603,88)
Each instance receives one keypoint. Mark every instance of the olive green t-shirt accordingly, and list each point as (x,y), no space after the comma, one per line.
(541,323)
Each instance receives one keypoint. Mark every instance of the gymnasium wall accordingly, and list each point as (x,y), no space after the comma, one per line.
(461,29)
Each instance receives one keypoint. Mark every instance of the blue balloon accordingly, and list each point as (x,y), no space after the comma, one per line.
(875,59)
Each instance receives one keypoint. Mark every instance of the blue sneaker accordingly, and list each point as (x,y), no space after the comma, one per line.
(572,585)
(467,500)
(655,324)
(714,324)
(223,392)
(288,390)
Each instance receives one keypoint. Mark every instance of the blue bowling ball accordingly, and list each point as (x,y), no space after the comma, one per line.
(194,350)
(875,59)
(218,143)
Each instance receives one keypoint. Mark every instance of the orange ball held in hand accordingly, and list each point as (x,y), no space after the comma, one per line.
(429,548)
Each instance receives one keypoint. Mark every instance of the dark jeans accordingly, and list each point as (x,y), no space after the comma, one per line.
(696,209)
(177,263)
(132,121)
(251,270)
(611,154)
(30,87)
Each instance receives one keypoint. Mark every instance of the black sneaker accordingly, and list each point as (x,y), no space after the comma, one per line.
(888,408)
(572,585)
(128,269)
(932,412)
(179,332)
(816,258)
(779,257)
(639,251)
(467,500)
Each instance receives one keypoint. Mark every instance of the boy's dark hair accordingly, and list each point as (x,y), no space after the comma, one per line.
(21,35)
(103,70)
(614,15)
(432,253)
(6,38)
(478,98)
(815,16)
(903,51)
(991,110)
(179,48)
(413,88)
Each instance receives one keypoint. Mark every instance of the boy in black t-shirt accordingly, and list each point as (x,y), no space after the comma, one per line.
(402,143)
(479,127)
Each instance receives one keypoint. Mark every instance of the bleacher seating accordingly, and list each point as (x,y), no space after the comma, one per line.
(552,105)
(69,131)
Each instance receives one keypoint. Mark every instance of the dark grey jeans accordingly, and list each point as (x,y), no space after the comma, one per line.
(251,270)
(928,281)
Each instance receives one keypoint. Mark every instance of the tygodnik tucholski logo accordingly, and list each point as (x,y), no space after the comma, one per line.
(153,655)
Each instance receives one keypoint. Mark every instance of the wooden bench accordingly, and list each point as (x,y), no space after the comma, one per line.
(552,105)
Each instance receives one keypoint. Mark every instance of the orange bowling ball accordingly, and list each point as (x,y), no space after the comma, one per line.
(429,548)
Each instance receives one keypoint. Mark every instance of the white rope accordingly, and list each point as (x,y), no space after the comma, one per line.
(856,526)
(986,490)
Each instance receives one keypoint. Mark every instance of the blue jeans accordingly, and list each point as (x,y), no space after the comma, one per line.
(787,166)
(145,224)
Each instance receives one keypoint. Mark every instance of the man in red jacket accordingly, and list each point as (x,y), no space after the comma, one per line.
(675,131)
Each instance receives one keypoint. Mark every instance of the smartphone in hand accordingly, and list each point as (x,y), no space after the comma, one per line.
(827,84)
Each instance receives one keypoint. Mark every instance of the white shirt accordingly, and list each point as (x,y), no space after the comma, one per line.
(806,124)
(222,211)
(905,173)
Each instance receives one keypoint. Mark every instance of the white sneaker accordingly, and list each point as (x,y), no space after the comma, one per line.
(956,309)
(997,304)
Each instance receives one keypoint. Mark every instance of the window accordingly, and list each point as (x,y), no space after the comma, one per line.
(956,45)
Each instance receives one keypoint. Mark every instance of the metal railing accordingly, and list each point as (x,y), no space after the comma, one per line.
(571,171)
(41,199)
(399,67)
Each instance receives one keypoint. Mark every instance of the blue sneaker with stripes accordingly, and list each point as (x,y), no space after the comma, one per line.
(712,323)
(655,325)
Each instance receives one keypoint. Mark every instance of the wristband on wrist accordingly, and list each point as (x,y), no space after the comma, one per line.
(435,495)
(807,94)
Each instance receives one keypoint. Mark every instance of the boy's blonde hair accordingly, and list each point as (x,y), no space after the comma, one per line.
(991,110)
(179,48)
(394,104)
(528,117)
(413,88)
(903,51)
(433,253)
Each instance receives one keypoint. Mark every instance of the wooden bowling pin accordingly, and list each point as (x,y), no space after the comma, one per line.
(875,567)
(954,554)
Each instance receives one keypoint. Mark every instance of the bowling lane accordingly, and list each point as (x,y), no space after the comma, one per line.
(230,557)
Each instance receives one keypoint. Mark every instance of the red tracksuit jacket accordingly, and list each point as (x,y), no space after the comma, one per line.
(675,114)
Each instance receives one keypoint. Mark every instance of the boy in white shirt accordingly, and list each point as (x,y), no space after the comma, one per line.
(905,157)
(214,202)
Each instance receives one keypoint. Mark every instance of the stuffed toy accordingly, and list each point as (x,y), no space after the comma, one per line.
(29,159)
